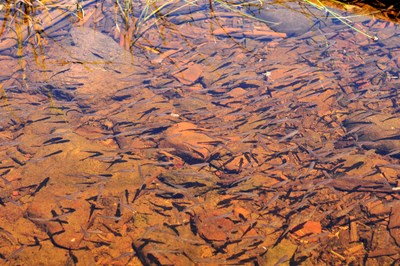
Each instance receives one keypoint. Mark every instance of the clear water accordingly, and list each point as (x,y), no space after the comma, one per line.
(198,135)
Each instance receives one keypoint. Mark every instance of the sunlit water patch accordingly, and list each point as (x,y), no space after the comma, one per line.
(180,134)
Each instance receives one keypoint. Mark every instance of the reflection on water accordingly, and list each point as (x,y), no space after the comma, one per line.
(212,139)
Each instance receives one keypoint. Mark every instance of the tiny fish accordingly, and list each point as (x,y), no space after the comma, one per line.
(41,185)
(291,134)
(272,200)
(148,111)
(17,161)
(56,140)
(94,154)
(282,260)
(115,162)
(3,174)
(38,120)
(16,252)
(115,218)
(53,153)
(172,227)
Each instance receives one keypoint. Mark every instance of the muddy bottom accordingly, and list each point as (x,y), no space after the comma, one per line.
(218,141)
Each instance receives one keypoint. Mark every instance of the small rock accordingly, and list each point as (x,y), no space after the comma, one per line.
(190,75)
(214,228)
(237,92)
(189,142)
(291,21)
(280,254)
(377,208)
(65,231)
(380,131)
(307,229)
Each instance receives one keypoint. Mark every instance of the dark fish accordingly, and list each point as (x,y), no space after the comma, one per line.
(53,153)
(127,196)
(3,174)
(248,229)
(236,111)
(161,164)
(221,105)
(253,156)
(52,140)
(172,227)
(21,150)
(222,249)
(354,166)
(193,184)
(193,226)
(7,167)
(17,161)
(164,180)
(178,206)
(41,185)
(38,120)
(227,202)
(56,140)
(72,260)
(148,111)
(105,175)
(240,165)
(119,160)
(170,195)
(160,212)
(237,255)
(59,122)
(142,187)
(139,254)
(92,209)
(118,211)
(153,259)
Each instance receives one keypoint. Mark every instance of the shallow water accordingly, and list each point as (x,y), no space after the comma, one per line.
(200,136)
